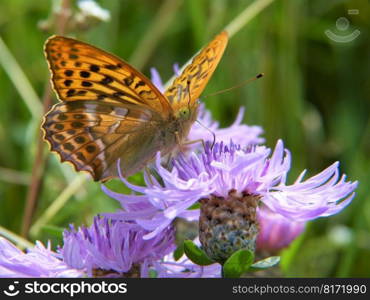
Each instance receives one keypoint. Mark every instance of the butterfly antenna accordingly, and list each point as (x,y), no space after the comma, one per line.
(189,99)
(213,134)
(260,75)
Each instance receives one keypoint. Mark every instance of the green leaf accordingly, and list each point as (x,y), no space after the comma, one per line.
(265,263)
(196,255)
(178,252)
(196,205)
(238,263)
(153,273)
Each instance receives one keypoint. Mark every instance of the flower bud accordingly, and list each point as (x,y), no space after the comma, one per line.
(227,225)
(276,231)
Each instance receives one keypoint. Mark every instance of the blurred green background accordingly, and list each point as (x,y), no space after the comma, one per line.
(315,96)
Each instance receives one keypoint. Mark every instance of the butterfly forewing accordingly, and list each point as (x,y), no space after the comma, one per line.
(190,84)
(83,72)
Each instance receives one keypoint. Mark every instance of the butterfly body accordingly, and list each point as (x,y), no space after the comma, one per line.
(166,138)
(110,111)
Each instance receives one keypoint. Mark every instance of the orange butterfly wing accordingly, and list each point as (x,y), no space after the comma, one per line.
(186,88)
(83,72)
(108,110)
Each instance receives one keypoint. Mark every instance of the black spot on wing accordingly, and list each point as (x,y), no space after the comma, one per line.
(85,74)
(86,83)
(106,80)
(94,68)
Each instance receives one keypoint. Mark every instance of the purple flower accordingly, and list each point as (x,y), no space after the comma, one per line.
(244,171)
(42,262)
(114,248)
(322,195)
(37,262)
(276,232)
(157,80)
(239,133)
(105,249)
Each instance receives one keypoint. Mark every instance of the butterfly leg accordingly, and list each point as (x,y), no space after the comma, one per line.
(148,174)
(186,143)
(169,158)
(194,142)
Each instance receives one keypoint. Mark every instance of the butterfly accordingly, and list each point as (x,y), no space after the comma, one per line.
(109,111)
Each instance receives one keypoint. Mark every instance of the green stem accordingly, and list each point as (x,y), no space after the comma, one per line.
(246,15)
(57,204)
(153,36)
(20,81)
(21,242)
(14,176)
(234,26)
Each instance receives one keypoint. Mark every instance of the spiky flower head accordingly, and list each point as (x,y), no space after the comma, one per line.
(229,173)
(114,248)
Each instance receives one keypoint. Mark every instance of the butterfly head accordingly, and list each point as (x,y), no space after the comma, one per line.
(187,113)
(184,113)
(188,108)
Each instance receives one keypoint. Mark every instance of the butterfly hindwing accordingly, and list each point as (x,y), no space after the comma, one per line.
(92,136)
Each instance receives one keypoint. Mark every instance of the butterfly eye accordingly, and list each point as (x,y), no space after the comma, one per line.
(184,113)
